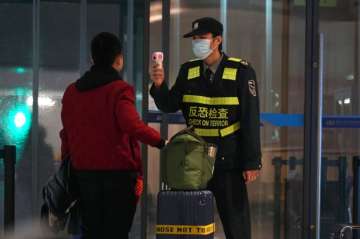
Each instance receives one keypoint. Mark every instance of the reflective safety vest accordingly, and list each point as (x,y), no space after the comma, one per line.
(213,108)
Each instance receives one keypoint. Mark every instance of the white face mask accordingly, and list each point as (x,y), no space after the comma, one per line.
(201,48)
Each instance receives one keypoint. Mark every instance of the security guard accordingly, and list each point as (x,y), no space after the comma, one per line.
(218,96)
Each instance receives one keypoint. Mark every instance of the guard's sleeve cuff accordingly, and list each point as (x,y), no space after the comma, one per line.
(252,165)
(155,91)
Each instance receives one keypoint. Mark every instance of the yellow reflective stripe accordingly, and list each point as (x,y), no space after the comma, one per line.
(210,100)
(216,132)
(229,74)
(234,59)
(193,72)
(207,132)
(229,130)
(185,229)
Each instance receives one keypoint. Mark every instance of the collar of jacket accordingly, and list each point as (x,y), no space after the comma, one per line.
(224,59)
(221,63)
(96,77)
(214,66)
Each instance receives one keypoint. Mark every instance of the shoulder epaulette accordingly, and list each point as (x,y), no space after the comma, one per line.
(243,62)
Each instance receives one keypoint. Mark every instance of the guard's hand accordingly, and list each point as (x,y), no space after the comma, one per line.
(157,75)
(251,175)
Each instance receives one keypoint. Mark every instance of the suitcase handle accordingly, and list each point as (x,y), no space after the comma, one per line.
(341,232)
(351,227)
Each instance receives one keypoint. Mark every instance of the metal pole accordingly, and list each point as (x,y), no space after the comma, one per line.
(9,203)
(285,62)
(35,110)
(145,109)
(277,162)
(83,61)
(319,134)
(223,17)
(166,6)
(356,191)
(269,54)
(356,110)
(326,164)
(129,44)
(311,124)
(342,186)
(356,86)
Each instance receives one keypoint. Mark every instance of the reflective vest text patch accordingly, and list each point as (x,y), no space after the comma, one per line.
(193,72)
(229,73)
(211,100)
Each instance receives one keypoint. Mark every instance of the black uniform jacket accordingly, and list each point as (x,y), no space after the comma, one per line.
(224,111)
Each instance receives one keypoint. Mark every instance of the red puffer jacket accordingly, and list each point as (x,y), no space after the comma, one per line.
(101,127)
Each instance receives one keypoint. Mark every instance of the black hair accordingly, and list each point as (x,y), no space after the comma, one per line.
(105,47)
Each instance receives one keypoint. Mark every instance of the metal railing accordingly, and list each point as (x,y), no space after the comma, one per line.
(8,155)
(337,214)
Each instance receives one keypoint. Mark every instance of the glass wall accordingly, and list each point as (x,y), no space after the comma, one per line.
(16,87)
(59,66)
(267,33)
(62,55)
(271,36)
(339,30)
(153,170)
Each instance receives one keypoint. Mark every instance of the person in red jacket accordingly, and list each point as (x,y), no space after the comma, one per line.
(101,130)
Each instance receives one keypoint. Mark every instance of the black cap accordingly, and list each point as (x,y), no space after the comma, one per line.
(105,47)
(205,25)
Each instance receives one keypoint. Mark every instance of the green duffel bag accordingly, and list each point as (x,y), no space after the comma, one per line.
(188,161)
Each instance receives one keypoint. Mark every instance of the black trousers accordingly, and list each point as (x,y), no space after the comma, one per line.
(107,203)
(231,197)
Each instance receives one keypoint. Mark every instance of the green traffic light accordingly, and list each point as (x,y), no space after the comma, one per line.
(20,70)
(18,123)
(19,119)
(15,122)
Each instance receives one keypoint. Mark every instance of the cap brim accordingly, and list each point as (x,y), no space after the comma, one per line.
(195,33)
